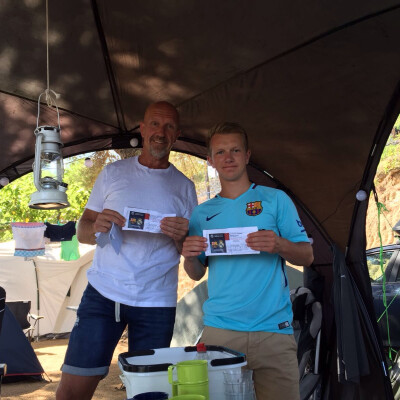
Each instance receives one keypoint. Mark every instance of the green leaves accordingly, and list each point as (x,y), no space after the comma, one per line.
(14,199)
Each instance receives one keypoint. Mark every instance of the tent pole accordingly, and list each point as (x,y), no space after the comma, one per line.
(37,296)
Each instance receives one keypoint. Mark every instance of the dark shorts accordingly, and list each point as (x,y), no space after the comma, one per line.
(96,332)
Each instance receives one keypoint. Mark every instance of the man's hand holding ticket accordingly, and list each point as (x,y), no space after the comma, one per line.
(138,219)
(230,241)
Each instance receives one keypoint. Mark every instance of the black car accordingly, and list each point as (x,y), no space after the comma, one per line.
(391,268)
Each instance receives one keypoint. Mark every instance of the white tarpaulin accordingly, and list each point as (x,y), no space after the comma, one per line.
(50,284)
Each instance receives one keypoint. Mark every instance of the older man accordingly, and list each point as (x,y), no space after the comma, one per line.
(138,286)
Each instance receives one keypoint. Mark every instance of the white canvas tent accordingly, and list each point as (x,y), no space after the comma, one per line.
(46,281)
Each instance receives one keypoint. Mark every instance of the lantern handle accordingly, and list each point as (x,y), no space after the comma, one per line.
(36,164)
(51,97)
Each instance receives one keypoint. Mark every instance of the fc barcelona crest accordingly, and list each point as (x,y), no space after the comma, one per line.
(254,208)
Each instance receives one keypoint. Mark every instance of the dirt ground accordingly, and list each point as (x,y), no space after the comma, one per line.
(51,355)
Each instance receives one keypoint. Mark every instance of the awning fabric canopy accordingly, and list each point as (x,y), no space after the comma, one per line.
(316,85)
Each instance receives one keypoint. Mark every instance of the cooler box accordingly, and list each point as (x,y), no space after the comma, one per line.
(145,371)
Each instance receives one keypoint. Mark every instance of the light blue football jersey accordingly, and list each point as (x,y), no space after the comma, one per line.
(249,292)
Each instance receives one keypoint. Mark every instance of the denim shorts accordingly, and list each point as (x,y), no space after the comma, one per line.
(96,332)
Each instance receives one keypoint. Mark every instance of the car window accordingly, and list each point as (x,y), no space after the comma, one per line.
(374,264)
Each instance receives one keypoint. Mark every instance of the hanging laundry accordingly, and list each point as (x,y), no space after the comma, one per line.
(60,233)
(29,238)
(70,249)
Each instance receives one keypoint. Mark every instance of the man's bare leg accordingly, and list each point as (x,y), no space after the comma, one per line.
(77,387)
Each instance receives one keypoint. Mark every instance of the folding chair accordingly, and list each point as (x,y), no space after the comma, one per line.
(307,318)
(21,310)
(2,305)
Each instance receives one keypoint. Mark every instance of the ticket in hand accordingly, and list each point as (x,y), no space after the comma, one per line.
(230,241)
(138,219)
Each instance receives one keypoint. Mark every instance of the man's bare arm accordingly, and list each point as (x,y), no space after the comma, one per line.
(194,268)
(176,228)
(295,253)
(85,229)
(193,246)
(300,253)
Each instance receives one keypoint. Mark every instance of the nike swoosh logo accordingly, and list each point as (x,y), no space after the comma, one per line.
(212,216)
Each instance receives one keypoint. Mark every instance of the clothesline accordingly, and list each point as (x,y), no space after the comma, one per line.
(30,238)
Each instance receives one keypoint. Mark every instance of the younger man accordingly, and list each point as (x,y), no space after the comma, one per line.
(249,307)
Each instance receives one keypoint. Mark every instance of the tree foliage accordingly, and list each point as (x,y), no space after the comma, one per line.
(194,168)
(397,123)
(99,159)
(390,158)
(14,197)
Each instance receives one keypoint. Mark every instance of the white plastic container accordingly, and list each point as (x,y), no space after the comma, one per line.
(145,371)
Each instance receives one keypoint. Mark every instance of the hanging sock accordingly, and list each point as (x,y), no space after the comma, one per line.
(29,238)
(60,233)
(70,249)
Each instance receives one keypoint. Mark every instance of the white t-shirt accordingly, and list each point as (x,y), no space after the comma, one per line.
(145,272)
